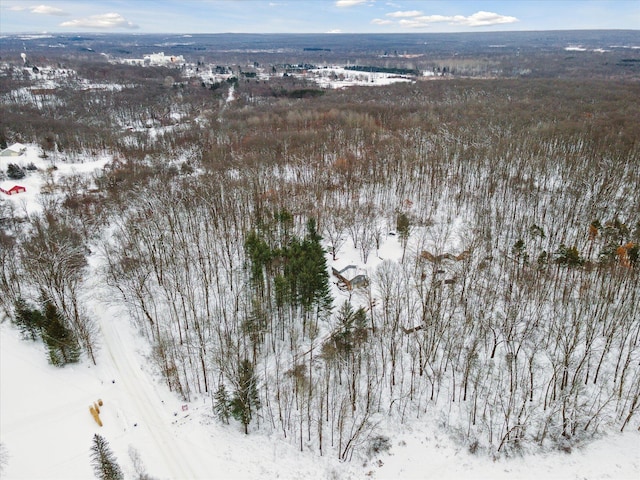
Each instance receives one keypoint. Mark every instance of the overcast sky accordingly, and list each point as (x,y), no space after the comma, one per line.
(314,16)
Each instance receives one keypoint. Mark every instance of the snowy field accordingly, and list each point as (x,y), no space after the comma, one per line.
(338,77)
(50,171)
(46,428)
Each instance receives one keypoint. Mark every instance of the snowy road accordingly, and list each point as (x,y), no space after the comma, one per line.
(188,446)
(140,404)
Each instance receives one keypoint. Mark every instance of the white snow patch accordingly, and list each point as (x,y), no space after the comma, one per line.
(339,77)
(49,171)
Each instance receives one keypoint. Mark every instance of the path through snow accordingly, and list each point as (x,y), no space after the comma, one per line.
(140,406)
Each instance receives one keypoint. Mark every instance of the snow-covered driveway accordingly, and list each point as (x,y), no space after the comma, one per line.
(140,410)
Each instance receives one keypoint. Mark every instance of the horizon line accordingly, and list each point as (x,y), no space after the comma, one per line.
(319,33)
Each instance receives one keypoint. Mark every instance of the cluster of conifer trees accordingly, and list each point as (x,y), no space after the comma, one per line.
(49,326)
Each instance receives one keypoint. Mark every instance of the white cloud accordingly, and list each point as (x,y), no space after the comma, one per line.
(478,19)
(335,30)
(349,3)
(42,9)
(410,13)
(47,10)
(381,21)
(107,20)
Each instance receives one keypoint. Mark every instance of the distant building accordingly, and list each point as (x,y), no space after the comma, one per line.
(14,150)
(155,59)
(14,190)
(162,59)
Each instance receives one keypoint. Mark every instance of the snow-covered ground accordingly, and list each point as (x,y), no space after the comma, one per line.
(339,77)
(49,172)
(46,428)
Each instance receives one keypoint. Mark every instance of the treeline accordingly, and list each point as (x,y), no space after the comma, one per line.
(513,316)
(392,70)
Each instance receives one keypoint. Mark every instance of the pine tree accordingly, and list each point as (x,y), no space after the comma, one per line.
(104,462)
(403,227)
(15,172)
(297,268)
(245,397)
(519,251)
(352,330)
(29,320)
(259,255)
(314,281)
(222,404)
(61,343)
(569,256)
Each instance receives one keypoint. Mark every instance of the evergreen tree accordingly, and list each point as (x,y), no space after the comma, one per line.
(259,255)
(61,343)
(282,291)
(569,256)
(222,403)
(14,172)
(403,227)
(245,398)
(104,462)
(519,251)
(297,268)
(255,326)
(285,224)
(352,331)
(294,263)
(29,320)
(314,274)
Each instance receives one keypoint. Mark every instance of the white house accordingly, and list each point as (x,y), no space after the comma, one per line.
(162,59)
(14,150)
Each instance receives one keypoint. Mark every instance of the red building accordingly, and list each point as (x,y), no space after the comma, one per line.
(13,190)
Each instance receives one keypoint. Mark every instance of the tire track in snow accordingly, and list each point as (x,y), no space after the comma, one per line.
(140,391)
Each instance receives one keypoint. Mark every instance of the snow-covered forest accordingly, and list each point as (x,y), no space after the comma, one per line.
(494,224)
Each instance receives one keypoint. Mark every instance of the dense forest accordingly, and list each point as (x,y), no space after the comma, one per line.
(511,315)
